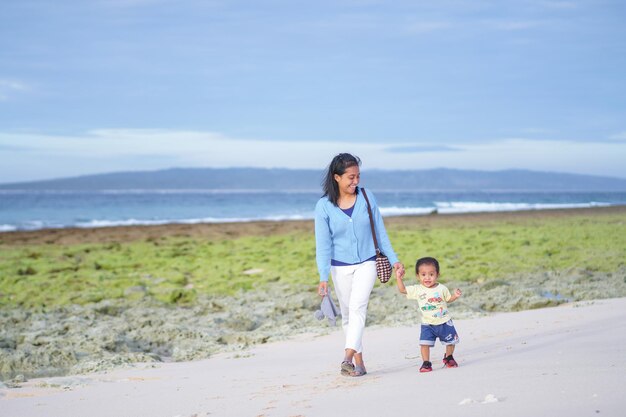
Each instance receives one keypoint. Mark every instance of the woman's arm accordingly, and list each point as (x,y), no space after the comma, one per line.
(323,241)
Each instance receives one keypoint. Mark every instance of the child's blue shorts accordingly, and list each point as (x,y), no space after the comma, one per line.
(445,332)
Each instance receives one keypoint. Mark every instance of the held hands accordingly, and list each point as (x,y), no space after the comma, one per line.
(399,275)
(399,270)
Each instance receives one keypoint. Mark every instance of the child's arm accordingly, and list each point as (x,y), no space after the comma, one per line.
(400,284)
(455,295)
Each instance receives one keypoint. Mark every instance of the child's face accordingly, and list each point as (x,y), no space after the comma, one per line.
(427,274)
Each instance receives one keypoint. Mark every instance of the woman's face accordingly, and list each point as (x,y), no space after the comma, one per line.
(348,182)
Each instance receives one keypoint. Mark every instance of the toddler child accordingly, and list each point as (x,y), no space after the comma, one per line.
(432,298)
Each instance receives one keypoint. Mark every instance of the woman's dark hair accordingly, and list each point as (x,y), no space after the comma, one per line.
(426,261)
(337,166)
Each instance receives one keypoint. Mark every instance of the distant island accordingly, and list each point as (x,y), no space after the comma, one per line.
(279,179)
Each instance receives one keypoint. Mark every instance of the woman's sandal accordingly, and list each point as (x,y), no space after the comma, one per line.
(347,368)
(358,371)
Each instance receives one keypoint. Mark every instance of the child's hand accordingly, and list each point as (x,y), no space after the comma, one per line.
(457,293)
(399,270)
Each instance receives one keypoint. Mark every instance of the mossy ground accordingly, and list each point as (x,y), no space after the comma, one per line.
(177,269)
(493,250)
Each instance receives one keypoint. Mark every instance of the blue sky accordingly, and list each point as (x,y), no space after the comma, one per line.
(122,85)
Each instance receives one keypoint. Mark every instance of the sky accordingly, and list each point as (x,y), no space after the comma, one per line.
(96,86)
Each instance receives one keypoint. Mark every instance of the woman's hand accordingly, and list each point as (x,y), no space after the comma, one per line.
(322,289)
(399,270)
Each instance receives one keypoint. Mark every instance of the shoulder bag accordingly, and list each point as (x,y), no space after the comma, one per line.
(383,266)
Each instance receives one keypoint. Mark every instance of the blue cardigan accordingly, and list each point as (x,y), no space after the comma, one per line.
(348,239)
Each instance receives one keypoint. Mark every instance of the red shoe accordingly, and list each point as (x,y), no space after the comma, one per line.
(449,362)
(426,367)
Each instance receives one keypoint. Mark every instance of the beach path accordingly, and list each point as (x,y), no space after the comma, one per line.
(562,361)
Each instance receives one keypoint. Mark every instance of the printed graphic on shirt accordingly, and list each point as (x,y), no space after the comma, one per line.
(434,306)
(432,302)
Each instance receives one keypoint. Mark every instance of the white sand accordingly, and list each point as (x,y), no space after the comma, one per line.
(562,361)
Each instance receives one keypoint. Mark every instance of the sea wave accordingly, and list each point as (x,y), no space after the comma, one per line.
(37,225)
(441,207)
(454,207)
(139,222)
(132,191)
(406,211)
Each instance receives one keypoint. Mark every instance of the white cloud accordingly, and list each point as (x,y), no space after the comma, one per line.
(12,85)
(538,130)
(589,158)
(426,27)
(507,25)
(559,4)
(110,150)
(129,3)
(420,148)
(8,87)
(618,136)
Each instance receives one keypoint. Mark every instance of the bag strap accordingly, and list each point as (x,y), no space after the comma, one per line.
(369,211)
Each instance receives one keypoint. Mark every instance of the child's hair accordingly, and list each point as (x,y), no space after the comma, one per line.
(426,261)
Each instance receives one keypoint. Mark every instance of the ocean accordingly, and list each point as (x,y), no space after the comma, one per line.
(32,210)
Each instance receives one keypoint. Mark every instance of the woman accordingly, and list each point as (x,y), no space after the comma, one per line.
(345,250)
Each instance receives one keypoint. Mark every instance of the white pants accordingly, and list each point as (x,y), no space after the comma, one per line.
(353,285)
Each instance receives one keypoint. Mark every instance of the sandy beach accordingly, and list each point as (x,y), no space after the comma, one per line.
(562,361)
